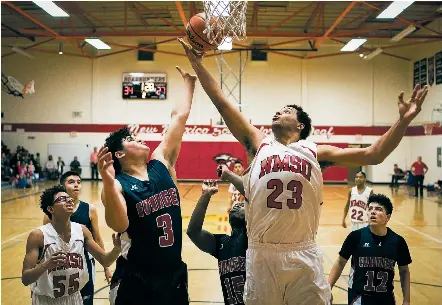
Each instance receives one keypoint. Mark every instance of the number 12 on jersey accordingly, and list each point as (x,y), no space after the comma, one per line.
(235,297)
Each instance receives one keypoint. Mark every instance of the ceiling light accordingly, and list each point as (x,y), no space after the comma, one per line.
(410,29)
(394,9)
(22,52)
(373,54)
(51,8)
(353,44)
(97,43)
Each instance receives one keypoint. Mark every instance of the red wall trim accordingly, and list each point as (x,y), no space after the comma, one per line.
(328,131)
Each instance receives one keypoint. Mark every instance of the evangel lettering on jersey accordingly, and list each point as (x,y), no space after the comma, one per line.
(157,202)
(73,260)
(376,262)
(289,163)
(232,265)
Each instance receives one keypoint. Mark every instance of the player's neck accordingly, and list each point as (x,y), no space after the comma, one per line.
(61,225)
(287,139)
(136,169)
(361,187)
(379,230)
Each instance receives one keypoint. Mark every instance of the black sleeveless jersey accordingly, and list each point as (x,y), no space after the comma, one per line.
(373,263)
(81,215)
(155,224)
(231,254)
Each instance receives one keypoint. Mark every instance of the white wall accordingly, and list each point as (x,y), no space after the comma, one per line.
(428,151)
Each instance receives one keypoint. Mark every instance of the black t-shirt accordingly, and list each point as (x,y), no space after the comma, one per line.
(231,254)
(155,224)
(373,259)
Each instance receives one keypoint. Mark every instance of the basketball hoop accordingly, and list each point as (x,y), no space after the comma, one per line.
(16,88)
(428,128)
(225,20)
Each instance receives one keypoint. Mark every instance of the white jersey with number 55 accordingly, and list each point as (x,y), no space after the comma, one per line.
(73,275)
(283,187)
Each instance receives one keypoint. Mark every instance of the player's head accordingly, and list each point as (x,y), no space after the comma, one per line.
(419,159)
(395,166)
(125,147)
(292,119)
(380,209)
(72,182)
(55,201)
(360,178)
(238,168)
(237,217)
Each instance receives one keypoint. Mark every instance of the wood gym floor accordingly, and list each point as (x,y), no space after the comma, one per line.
(419,221)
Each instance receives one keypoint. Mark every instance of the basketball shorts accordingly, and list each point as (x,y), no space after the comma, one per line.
(87,292)
(356,299)
(160,288)
(285,274)
(73,299)
(357,225)
(113,292)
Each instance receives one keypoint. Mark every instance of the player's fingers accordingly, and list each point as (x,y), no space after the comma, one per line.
(102,151)
(424,95)
(106,166)
(180,70)
(401,97)
(415,91)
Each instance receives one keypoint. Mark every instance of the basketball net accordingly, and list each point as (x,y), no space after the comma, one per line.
(26,89)
(225,20)
(428,128)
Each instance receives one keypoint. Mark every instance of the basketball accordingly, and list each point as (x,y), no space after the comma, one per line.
(195,36)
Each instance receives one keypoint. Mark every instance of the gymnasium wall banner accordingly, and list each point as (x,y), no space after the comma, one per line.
(423,64)
(416,73)
(431,71)
(144,86)
(438,67)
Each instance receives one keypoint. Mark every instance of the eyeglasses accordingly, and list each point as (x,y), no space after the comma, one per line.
(64,199)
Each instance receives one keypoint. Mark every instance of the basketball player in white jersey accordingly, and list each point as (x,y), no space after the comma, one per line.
(54,264)
(357,203)
(235,195)
(283,188)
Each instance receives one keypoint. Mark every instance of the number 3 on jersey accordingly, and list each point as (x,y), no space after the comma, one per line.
(165,221)
(277,185)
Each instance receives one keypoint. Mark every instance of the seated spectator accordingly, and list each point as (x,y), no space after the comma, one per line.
(75,166)
(51,168)
(397,175)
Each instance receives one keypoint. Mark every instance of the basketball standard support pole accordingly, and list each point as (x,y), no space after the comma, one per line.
(228,87)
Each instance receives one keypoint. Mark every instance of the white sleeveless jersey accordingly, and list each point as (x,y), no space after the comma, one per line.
(63,280)
(283,187)
(237,197)
(358,204)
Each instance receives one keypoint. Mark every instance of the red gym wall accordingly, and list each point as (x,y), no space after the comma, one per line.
(196,160)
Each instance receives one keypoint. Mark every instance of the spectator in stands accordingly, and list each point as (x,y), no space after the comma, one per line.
(398,174)
(51,168)
(419,169)
(76,166)
(94,164)
(60,165)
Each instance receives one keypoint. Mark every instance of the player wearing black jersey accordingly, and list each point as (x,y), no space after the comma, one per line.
(143,200)
(230,250)
(374,251)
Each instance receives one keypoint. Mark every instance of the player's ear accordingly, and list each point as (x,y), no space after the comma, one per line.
(301,126)
(388,217)
(119,154)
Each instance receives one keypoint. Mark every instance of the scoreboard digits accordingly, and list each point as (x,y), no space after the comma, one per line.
(144,86)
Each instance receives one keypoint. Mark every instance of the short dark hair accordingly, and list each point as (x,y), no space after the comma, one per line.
(67,174)
(114,142)
(237,161)
(303,118)
(383,201)
(362,173)
(47,198)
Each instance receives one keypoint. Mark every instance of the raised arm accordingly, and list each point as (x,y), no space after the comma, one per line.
(203,239)
(225,174)
(247,134)
(31,271)
(115,210)
(104,258)
(378,151)
(169,149)
(93,215)
(346,208)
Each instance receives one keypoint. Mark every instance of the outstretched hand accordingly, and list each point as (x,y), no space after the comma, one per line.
(193,55)
(186,76)
(410,109)
(210,187)
(105,164)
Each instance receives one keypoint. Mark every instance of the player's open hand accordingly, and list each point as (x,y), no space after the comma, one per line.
(193,55)
(186,76)
(222,171)
(116,239)
(210,187)
(410,109)
(57,259)
(105,165)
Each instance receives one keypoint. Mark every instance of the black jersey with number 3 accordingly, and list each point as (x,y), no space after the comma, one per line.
(155,224)
(231,254)
(372,265)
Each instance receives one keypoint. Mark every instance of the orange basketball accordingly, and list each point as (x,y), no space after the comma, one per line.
(195,36)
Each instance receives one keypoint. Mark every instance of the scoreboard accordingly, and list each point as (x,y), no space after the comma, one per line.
(144,86)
